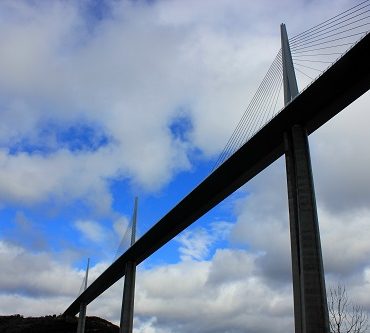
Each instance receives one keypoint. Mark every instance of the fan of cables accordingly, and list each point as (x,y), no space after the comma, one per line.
(125,241)
(317,48)
(260,110)
(82,288)
(313,51)
(123,246)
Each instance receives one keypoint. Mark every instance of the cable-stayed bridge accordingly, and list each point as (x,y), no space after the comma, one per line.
(264,134)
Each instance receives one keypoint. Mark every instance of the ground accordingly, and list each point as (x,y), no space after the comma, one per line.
(53,324)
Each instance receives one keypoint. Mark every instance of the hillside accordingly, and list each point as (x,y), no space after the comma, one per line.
(53,324)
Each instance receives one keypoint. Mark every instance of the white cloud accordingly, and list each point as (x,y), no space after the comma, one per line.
(35,274)
(228,292)
(148,326)
(129,77)
(91,230)
(195,244)
(165,299)
(38,283)
(207,303)
(31,178)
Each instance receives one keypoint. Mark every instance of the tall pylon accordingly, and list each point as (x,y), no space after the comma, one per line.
(127,310)
(82,314)
(310,304)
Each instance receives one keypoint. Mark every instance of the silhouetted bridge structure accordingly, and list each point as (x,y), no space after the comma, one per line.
(345,81)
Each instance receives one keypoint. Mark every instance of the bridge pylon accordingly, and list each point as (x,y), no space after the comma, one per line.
(310,304)
(82,314)
(127,310)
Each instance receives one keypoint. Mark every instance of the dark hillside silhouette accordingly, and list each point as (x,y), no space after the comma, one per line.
(53,324)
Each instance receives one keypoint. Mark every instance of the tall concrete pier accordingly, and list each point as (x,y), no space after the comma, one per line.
(310,305)
(127,311)
(82,314)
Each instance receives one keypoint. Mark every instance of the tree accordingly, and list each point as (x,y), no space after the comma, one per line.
(344,316)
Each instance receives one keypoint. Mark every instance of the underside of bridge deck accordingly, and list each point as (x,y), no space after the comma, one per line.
(342,83)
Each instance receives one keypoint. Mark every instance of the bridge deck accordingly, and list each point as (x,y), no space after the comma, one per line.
(338,87)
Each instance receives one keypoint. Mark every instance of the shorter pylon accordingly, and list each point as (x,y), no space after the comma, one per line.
(127,310)
(82,314)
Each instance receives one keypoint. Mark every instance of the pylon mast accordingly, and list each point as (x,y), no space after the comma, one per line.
(310,304)
(127,310)
(82,314)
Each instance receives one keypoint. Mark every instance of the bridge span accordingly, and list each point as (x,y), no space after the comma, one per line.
(334,90)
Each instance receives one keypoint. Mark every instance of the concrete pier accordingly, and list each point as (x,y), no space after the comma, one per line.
(127,313)
(82,313)
(310,304)
(127,310)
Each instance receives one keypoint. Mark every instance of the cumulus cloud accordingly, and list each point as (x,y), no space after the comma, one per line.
(34,274)
(164,298)
(224,293)
(220,294)
(196,244)
(129,75)
(227,305)
(38,283)
(30,178)
(91,230)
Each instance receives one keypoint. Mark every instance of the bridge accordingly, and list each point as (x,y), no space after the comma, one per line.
(286,133)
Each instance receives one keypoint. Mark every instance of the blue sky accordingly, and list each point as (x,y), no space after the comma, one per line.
(102,101)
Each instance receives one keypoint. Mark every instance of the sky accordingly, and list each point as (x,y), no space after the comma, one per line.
(102,101)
